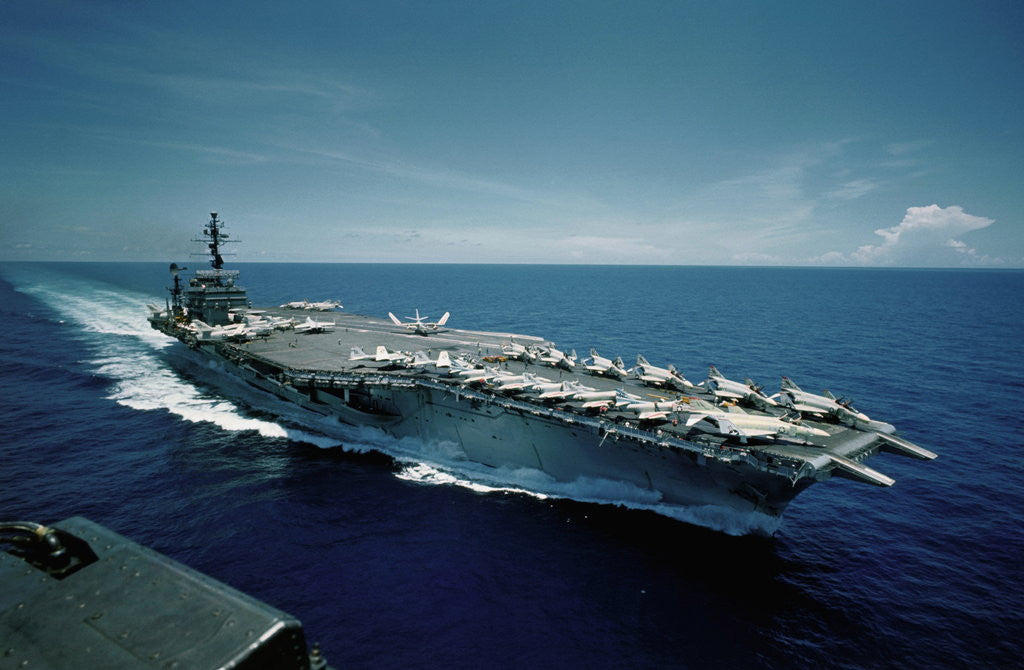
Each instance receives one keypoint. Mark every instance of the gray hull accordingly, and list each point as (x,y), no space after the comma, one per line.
(492,435)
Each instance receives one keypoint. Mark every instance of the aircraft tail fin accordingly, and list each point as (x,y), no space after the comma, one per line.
(788,385)
(623,398)
(713,372)
(443,360)
(394,319)
(382,353)
(828,394)
(444,319)
(640,360)
(357,353)
(593,352)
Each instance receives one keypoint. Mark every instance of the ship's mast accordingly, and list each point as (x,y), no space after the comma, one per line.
(213,237)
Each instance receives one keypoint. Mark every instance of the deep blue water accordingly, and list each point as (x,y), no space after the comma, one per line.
(394,563)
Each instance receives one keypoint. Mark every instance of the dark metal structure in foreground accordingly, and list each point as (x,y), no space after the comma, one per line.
(77,595)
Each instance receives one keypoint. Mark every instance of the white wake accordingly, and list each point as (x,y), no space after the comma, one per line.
(112,324)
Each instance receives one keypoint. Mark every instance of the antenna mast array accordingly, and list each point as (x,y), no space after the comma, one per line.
(213,237)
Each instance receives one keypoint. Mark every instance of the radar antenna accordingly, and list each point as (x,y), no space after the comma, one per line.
(213,237)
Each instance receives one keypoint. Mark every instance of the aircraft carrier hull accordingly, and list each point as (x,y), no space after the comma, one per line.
(504,433)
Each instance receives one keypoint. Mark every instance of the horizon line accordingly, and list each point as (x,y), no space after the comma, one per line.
(609,265)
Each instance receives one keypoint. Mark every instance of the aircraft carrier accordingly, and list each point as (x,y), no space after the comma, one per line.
(515,401)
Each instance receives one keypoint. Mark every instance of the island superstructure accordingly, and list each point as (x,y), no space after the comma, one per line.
(515,401)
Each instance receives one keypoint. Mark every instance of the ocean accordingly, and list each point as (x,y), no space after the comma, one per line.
(394,555)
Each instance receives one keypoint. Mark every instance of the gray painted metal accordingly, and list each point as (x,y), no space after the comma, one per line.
(127,606)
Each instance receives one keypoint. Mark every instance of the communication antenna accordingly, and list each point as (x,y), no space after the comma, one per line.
(213,237)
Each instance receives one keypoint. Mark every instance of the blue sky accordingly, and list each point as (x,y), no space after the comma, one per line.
(746,133)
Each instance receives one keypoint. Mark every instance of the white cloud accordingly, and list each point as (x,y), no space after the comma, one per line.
(927,236)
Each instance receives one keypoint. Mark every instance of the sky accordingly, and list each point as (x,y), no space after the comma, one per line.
(669,133)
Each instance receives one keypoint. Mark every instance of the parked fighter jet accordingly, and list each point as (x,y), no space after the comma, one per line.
(710,419)
(667,377)
(645,411)
(794,397)
(258,318)
(591,397)
(748,391)
(383,355)
(322,306)
(598,365)
(419,325)
(556,359)
(310,326)
(509,382)
(470,374)
(548,390)
(515,350)
(235,332)
(421,359)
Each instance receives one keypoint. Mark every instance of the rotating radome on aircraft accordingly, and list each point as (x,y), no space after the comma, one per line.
(418,324)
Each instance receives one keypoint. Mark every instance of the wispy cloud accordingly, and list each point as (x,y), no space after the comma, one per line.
(857,188)
(212,153)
